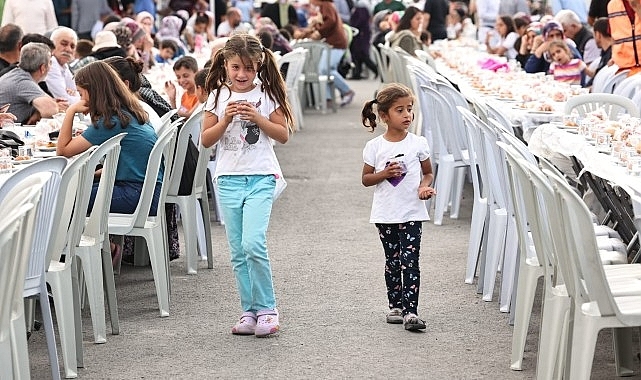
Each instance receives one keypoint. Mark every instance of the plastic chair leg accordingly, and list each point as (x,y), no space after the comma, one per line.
(188,212)
(61,287)
(457,192)
(623,351)
(584,336)
(92,269)
(525,291)
(495,247)
(20,357)
(509,265)
(77,313)
(443,188)
(159,269)
(110,288)
(554,330)
(321,89)
(479,213)
(204,208)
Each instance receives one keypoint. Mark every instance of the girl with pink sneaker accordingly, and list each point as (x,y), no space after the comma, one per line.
(244,117)
(398,164)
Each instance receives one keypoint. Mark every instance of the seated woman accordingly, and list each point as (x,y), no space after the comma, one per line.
(113,109)
(501,40)
(407,33)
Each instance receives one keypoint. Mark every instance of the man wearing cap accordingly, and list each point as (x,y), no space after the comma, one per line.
(625,26)
(539,62)
(582,37)
(60,79)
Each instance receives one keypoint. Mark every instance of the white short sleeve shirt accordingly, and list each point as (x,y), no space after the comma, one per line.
(396,199)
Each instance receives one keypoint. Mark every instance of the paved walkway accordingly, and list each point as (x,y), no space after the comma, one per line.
(328,273)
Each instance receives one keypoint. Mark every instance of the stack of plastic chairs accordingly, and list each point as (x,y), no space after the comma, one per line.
(316,74)
(19,226)
(296,63)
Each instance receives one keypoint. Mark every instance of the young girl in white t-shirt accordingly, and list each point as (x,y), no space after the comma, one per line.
(398,164)
(244,118)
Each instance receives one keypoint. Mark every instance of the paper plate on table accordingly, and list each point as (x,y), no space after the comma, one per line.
(46,148)
(537,112)
(23,162)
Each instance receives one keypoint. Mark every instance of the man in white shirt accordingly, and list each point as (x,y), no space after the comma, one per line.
(60,79)
(232,24)
(33,16)
(582,37)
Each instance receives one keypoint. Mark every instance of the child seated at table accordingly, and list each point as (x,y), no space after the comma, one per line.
(563,66)
(167,51)
(185,69)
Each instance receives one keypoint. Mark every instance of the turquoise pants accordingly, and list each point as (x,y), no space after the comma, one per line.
(246,205)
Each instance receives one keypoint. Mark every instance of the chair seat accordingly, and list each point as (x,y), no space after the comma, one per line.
(121,223)
(628,305)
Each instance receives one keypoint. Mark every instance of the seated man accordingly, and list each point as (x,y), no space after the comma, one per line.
(60,79)
(19,87)
(582,37)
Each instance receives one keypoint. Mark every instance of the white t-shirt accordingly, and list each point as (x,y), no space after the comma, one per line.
(396,199)
(244,149)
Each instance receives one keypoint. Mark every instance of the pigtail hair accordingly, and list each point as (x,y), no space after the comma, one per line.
(368,117)
(274,85)
(217,76)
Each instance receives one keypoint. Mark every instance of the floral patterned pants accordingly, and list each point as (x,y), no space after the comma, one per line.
(402,243)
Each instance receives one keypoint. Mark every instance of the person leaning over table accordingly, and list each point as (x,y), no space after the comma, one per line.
(19,87)
(539,62)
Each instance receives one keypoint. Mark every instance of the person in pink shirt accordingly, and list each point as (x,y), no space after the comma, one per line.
(563,66)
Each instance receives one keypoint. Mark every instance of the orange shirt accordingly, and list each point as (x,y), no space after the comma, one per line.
(188,101)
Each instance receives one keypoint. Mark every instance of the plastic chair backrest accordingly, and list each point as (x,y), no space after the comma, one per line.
(475,151)
(106,154)
(76,198)
(296,63)
(628,87)
(200,177)
(313,65)
(40,255)
(519,145)
(589,276)
(381,62)
(13,255)
(161,153)
(167,116)
(426,57)
(187,131)
(603,78)
(446,122)
(613,105)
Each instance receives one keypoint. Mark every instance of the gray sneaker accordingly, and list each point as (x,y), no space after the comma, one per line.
(395,316)
(413,323)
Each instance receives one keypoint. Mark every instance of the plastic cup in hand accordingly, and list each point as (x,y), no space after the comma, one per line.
(394,181)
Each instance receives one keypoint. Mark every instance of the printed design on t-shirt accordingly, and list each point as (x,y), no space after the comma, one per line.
(249,132)
(394,181)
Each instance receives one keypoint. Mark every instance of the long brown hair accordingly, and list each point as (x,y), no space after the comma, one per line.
(250,50)
(109,96)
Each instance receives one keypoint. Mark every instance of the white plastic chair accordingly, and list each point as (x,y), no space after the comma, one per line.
(315,81)
(24,190)
(296,63)
(383,69)
(188,203)
(595,305)
(605,80)
(13,254)
(628,87)
(426,57)
(35,283)
(95,260)
(152,228)
(62,276)
(165,119)
(613,105)
(453,158)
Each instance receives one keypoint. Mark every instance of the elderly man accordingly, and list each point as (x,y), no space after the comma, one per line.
(19,87)
(10,44)
(227,27)
(60,79)
(582,37)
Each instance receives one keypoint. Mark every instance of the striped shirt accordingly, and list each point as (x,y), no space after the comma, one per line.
(570,72)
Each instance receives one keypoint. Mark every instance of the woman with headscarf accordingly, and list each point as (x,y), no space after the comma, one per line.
(171,29)
(539,62)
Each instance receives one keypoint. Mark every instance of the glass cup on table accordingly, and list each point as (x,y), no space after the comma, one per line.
(634,166)
(6,161)
(602,140)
